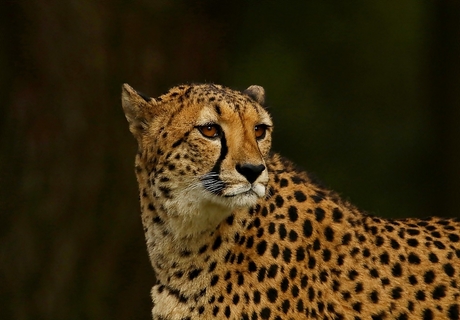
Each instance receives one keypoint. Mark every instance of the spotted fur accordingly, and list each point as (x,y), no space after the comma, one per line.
(236,232)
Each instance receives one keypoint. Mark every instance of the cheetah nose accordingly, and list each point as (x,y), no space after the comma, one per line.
(250,171)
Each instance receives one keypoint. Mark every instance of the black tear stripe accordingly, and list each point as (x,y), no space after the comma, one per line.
(223,154)
(213,183)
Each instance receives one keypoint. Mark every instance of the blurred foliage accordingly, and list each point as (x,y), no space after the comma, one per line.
(364,94)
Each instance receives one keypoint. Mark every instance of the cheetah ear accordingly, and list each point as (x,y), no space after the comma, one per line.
(257,93)
(137,108)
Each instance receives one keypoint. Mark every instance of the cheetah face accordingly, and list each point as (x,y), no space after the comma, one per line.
(201,146)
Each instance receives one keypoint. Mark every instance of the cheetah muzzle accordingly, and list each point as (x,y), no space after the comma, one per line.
(234,231)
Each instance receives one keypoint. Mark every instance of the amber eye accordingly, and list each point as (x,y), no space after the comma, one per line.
(260,131)
(210,130)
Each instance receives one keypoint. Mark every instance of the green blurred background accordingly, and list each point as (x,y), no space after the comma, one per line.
(365,94)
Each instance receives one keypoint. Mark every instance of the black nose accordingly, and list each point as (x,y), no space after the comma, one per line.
(250,171)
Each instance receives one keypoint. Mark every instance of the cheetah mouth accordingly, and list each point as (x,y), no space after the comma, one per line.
(252,190)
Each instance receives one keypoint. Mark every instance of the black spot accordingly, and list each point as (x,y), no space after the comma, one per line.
(374,296)
(412,242)
(282,231)
(284,183)
(300,196)
(439,244)
(448,269)
(287,255)
(272,271)
(230,219)
(433,257)
(229,287)
(217,108)
(203,249)
(427,314)
(359,287)
(214,280)
(227,312)
(304,281)
(217,243)
(261,274)
(429,277)
(352,274)
(300,254)
(297,180)
(389,228)
(250,242)
(319,214)
(307,228)
(454,237)
(395,244)
(366,253)
(396,293)
(272,294)
(201,310)
(265,313)
(329,233)
(413,280)
(316,245)
(374,273)
(346,239)
(379,241)
(240,279)
(413,232)
(252,267)
(284,284)
(335,285)
(293,215)
(271,228)
(295,291)
(439,292)
(279,201)
(292,236)
(420,295)
(384,258)
(194,273)
(337,215)
(256,297)
(396,270)
(236,299)
(275,250)
(454,313)
(311,262)
(413,258)
(212,266)
(285,306)
(357,306)
(177,143)
(379,316)
(261,247)
(326,255)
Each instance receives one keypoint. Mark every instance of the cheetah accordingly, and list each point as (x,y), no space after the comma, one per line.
(234,231)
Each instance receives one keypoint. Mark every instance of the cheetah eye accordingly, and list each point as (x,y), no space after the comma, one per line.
(210,130)
(260,131)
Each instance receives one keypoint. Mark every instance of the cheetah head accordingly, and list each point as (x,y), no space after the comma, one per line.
(202,149)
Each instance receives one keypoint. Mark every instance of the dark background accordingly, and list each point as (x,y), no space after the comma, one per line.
(365,94)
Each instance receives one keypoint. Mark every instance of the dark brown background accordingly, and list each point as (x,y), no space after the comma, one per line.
(365,94)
